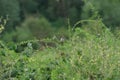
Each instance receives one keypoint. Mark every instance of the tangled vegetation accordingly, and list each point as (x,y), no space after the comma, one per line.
(91,52)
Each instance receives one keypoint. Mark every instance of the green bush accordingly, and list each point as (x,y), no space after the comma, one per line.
(39,27)
(31,28)
(20,34)
(85,56)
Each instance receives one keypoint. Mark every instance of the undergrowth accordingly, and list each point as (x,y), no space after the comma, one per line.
(91,53)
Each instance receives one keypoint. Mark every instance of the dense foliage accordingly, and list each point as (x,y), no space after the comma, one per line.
(10,11)
(108,9)
(41,40)
(86,55)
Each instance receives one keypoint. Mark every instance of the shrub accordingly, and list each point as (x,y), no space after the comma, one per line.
(20,34)
(85,56)
(39,27)
(31,28)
